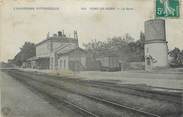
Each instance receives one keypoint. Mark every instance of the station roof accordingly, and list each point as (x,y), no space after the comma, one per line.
(34,58)
(69,50)
(57,39)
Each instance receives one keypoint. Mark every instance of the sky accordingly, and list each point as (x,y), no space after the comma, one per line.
(31,20)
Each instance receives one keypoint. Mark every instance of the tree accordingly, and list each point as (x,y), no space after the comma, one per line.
(137,48)
(26,51)
(17,59)
(177,55)
(125,47)
(181,57)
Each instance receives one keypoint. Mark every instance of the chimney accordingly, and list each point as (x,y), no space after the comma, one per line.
(63,33)
(59,33)
(75,35)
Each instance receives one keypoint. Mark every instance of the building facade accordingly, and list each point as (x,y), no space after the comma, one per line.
(109,61)
(72,59)
(56,52)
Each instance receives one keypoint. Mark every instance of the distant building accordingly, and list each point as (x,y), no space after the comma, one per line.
(72,59)
(109,61)
(57,52)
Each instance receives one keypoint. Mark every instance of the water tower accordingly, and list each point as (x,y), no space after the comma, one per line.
(156,49)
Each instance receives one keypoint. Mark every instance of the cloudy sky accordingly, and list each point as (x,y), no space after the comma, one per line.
(30,20)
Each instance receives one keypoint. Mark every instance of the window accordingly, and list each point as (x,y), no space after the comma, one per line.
(51,62)
(48,45)
(148,61)
(60,63)
(147,50)
(64,63)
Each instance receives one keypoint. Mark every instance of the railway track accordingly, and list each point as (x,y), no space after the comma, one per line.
(163,100)
(56,99)
(106,102)
(142,92)
(145,92)
(171,97)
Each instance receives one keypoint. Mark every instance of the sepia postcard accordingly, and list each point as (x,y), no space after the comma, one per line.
(91,58)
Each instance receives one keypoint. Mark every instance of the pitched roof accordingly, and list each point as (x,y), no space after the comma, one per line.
(69,50)
(106,53)
(64,47)
(60,39)
(35,58)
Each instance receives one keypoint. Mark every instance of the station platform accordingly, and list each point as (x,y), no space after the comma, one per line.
(18,101)
(164,79)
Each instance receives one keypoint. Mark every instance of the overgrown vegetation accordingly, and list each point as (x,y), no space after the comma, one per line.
(26,51)
(125,47)
(130,50)
(177,56)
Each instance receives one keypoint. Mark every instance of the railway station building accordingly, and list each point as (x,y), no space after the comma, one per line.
(58,52)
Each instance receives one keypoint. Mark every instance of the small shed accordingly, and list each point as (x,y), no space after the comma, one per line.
(38,62)
(108,61)
(72,59)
